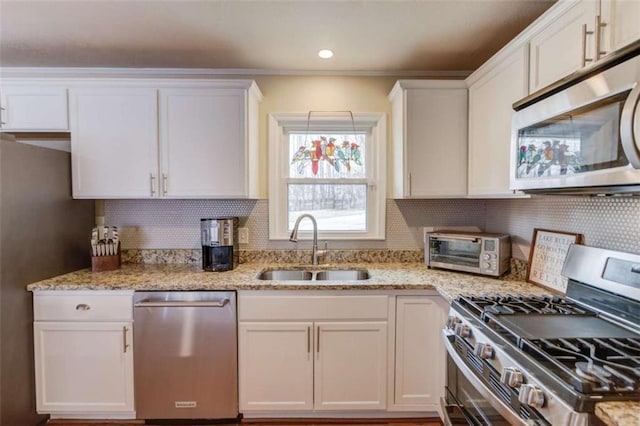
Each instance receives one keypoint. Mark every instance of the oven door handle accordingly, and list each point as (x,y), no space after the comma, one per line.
(443,410)
(447,237)
(482,389)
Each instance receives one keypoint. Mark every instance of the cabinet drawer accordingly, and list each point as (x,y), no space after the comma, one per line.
(82,307)
(252,307)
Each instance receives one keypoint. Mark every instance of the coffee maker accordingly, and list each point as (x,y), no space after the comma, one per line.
(219,243)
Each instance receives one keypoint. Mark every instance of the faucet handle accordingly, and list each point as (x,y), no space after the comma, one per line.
(323,253)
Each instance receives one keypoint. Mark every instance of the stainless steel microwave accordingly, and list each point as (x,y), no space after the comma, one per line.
(479,253)
(584,138)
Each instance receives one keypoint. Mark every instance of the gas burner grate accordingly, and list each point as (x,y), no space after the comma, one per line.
(591,365)
(520,304)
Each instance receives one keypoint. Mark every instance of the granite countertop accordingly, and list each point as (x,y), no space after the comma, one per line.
(384,276)
(619,413)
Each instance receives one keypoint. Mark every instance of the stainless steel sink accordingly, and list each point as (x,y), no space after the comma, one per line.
(286,275)
(343,275)
(304,275)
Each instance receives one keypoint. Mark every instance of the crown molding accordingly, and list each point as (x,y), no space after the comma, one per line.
(88,72)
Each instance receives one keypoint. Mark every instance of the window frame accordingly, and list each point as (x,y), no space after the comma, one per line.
(374,124)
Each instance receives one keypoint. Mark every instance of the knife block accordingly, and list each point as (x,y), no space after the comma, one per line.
(105,263)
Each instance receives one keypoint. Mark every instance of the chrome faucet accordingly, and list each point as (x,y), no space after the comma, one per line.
(294,237)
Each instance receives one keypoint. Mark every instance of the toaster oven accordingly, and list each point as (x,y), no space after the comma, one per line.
(479,253)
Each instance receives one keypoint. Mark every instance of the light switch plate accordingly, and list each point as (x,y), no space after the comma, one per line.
(243,235)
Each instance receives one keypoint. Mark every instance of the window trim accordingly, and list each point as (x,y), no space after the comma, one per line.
(375,124)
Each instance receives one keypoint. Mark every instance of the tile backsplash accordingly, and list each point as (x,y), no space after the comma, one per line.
(609,222)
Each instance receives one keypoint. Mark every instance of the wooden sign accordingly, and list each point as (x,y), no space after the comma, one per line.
(548,251)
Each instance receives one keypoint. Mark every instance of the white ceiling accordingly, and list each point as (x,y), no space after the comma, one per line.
(382,36)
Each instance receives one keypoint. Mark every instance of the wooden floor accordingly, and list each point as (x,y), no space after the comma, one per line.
(265,422)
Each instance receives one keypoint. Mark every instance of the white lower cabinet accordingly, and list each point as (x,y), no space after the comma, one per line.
(303,353)
(420,360)
(351,366)
(276,366)
(83,366)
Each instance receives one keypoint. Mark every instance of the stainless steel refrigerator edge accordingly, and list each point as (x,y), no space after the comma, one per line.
(43,233)
(186,356)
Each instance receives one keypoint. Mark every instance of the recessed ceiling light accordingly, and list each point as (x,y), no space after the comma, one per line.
(325,53)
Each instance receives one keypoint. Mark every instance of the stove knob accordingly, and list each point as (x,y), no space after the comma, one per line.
(463,330)
(483,351)
(511,377)
(531,395)
(452,322)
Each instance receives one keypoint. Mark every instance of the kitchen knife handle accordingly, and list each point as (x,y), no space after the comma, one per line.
(153,184)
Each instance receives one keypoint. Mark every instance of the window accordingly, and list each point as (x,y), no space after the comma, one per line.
(329,166)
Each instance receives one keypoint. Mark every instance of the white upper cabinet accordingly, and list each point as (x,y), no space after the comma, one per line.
(580,33)
(564,46)
(490,110)
(114,142)
(204,143)
(620,24)
(169,139)
(429,125)
(33,106)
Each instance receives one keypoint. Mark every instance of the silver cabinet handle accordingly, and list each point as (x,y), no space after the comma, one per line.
(599,27)
(1,121)
(309,339)
(585,33)
(164,184)
(82,307)
(153,184)
(318,345)
(125,345)
(410,184)
(177,304)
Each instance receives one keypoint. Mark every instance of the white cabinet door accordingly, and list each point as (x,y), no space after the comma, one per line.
(275,366)
(563,46)
(420,354)
(204,142)
(114,142)
(622,23)
(490,113)
(83,367)
(429,126)
(351,366)
(33,107)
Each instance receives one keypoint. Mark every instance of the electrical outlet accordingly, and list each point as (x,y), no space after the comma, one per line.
(243,235)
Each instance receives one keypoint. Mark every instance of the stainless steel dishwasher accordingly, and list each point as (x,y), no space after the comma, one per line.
(186,356)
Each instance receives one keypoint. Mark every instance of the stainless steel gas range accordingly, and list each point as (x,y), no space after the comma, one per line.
(547,360)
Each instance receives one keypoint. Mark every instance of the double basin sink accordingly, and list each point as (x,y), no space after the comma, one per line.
(309,275)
